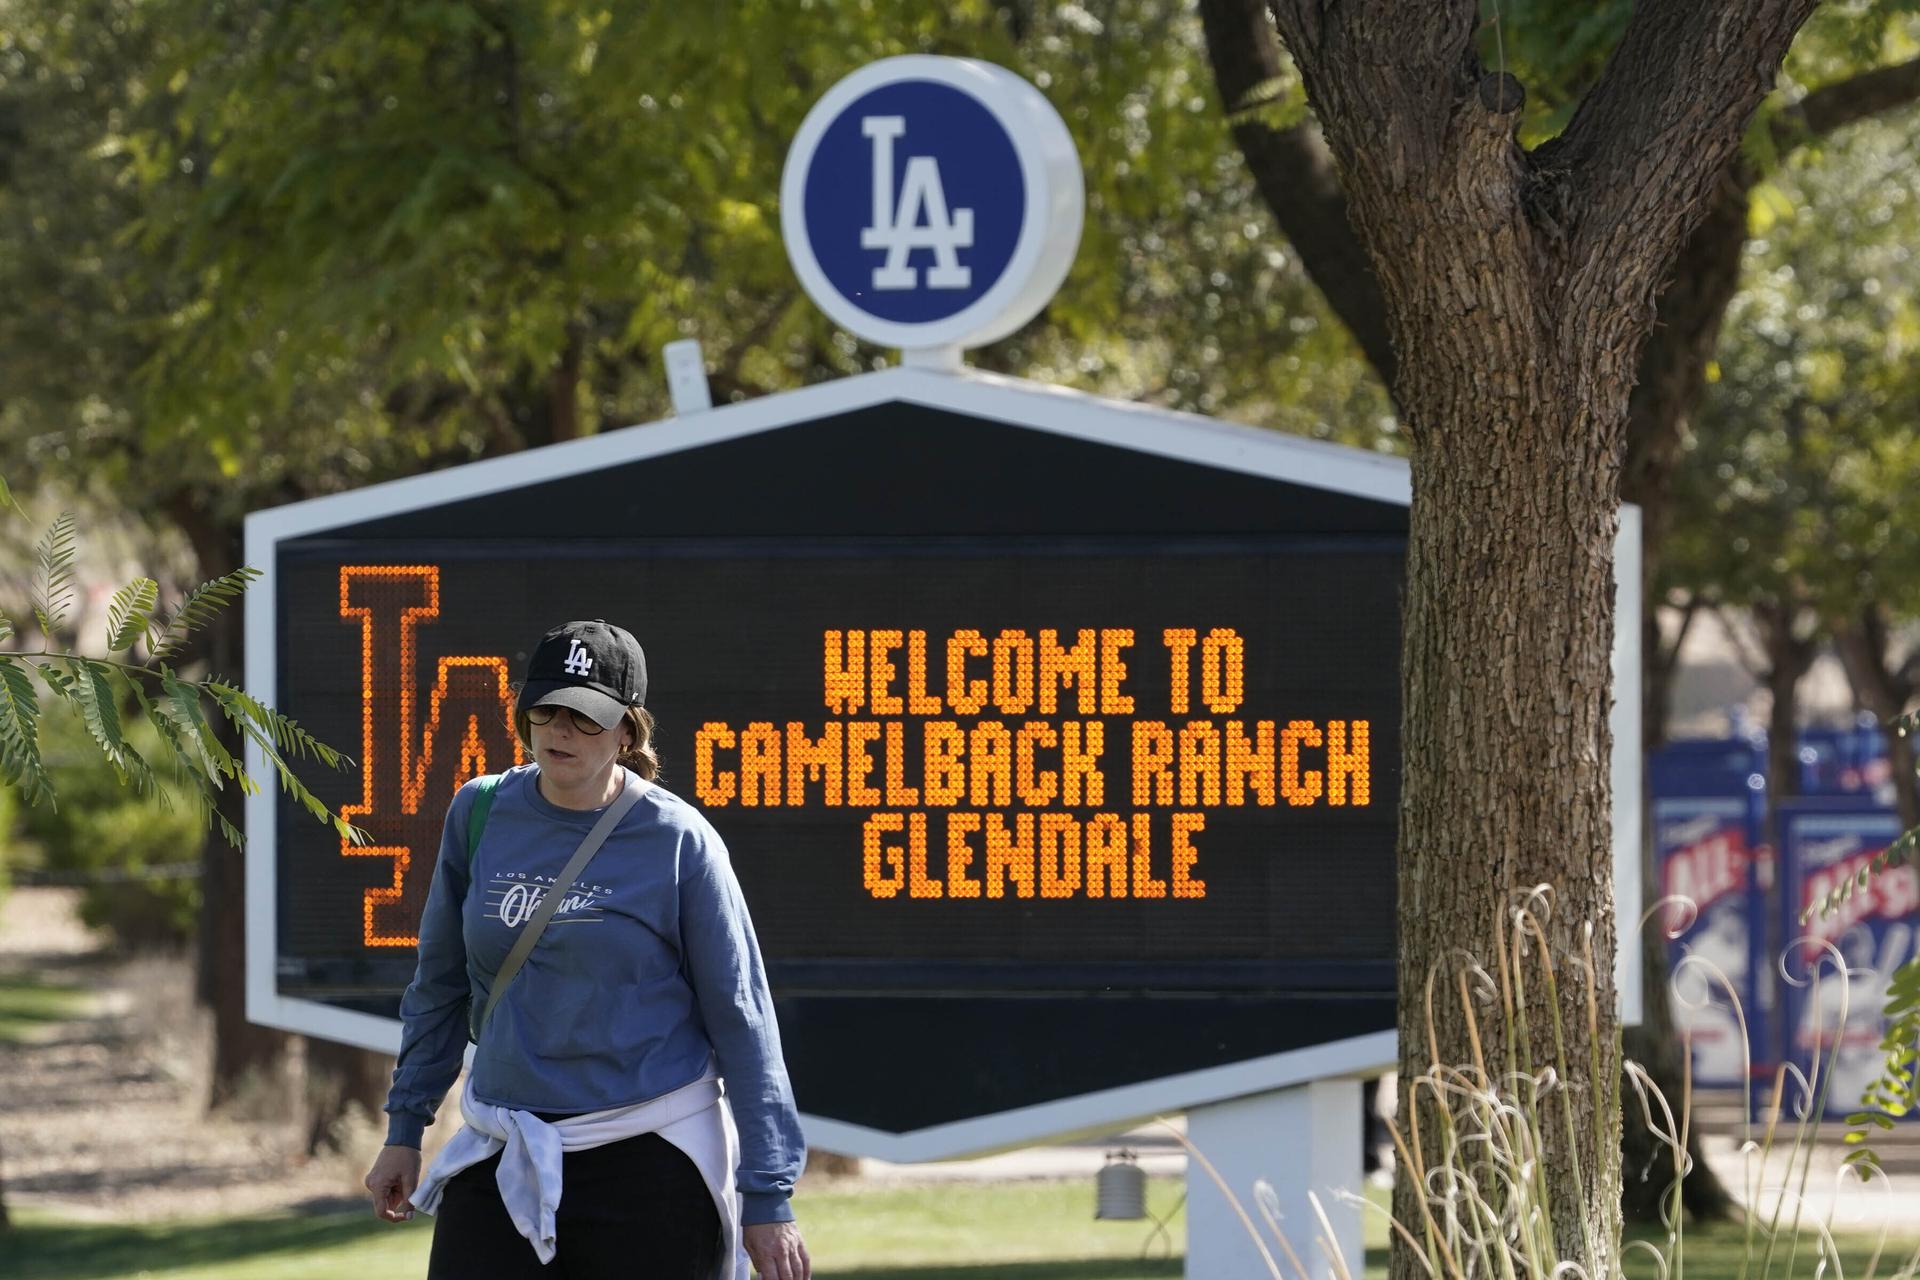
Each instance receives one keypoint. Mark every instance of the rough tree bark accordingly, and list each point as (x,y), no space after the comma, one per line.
(1517,289)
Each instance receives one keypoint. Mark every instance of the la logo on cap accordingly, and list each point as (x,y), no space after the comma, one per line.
(932,204)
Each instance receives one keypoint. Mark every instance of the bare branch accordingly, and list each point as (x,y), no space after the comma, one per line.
(1653,135)
(1907,676)
(1883,683)
(1674,358)
(1752,660)
(1670,655)
(1296,176)
(1834,106)
(1385,78)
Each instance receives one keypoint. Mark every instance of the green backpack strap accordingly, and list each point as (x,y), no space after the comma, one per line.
(477,816)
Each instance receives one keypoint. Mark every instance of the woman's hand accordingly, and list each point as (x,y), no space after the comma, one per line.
(777,1251)
(395,1173)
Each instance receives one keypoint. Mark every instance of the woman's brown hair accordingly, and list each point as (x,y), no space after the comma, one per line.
(638,724)
(640,757)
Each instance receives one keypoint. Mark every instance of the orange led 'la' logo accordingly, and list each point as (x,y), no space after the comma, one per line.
(408,773)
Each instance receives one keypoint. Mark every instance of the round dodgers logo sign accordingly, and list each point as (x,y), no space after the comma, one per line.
(931,202)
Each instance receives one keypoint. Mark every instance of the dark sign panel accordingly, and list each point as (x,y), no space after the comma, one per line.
(1099,750)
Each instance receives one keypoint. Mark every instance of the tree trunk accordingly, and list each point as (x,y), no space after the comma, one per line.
(1646,1162)
(1518,289)
(1507,745)
(563,387)
(1886,691)
(340,1077)
(1673,364)
(1789,655)
(242,1050)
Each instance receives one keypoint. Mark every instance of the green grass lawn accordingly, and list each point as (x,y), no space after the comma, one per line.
(995,1231)
(973,1231)
(28,1004)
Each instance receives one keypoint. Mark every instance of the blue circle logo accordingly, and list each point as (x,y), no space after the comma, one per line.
(931,204)
(915,202)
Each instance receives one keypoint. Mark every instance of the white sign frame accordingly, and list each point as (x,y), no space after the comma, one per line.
(1031,406)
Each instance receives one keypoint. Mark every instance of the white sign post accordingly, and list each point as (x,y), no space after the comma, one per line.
(1298,1141)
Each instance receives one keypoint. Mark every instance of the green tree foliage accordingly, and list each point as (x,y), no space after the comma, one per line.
(101,692)
(304,248)
(348,241)
(1797,478)
(1796,469)
(133,856)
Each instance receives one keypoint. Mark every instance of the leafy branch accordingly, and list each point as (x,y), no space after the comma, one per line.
(1897,1089)
(1902,852)
(98,688)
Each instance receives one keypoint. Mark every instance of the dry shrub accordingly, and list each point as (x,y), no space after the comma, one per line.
(1484,1214)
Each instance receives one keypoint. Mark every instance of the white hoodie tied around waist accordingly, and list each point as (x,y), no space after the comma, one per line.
(693,1118)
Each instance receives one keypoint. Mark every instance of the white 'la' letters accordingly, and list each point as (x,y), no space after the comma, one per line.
(898,229)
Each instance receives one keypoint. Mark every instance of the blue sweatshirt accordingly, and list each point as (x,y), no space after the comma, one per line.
(647,974)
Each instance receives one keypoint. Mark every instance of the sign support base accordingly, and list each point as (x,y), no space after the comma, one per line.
(938,359)
(1306,1138)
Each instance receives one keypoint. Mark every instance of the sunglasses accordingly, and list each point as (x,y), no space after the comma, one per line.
(581,723)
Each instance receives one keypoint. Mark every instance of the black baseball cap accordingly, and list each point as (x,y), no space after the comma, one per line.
(593,667)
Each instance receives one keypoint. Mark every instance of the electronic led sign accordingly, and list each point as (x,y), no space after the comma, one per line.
(1006,793)
(1056,744)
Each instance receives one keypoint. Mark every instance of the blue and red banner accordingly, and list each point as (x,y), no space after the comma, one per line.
(1834,1010)
(1706,854)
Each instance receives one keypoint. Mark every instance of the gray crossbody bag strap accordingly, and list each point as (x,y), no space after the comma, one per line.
(629,796)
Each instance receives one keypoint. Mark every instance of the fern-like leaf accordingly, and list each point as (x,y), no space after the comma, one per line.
(20,733)
(190,757)
(6,628)
(275,734)
(288,736)
(92,692)
(1895,1093)
(289,783)
(127,616)
(183,700)
(201,606)
(55,554)
(1902,851)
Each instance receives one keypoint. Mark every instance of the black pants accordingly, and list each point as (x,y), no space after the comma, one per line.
(636,1209)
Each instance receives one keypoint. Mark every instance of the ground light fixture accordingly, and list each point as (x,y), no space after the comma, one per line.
(1120,1195)
(1120,1188)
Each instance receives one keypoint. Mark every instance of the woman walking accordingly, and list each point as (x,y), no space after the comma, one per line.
(585,929)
